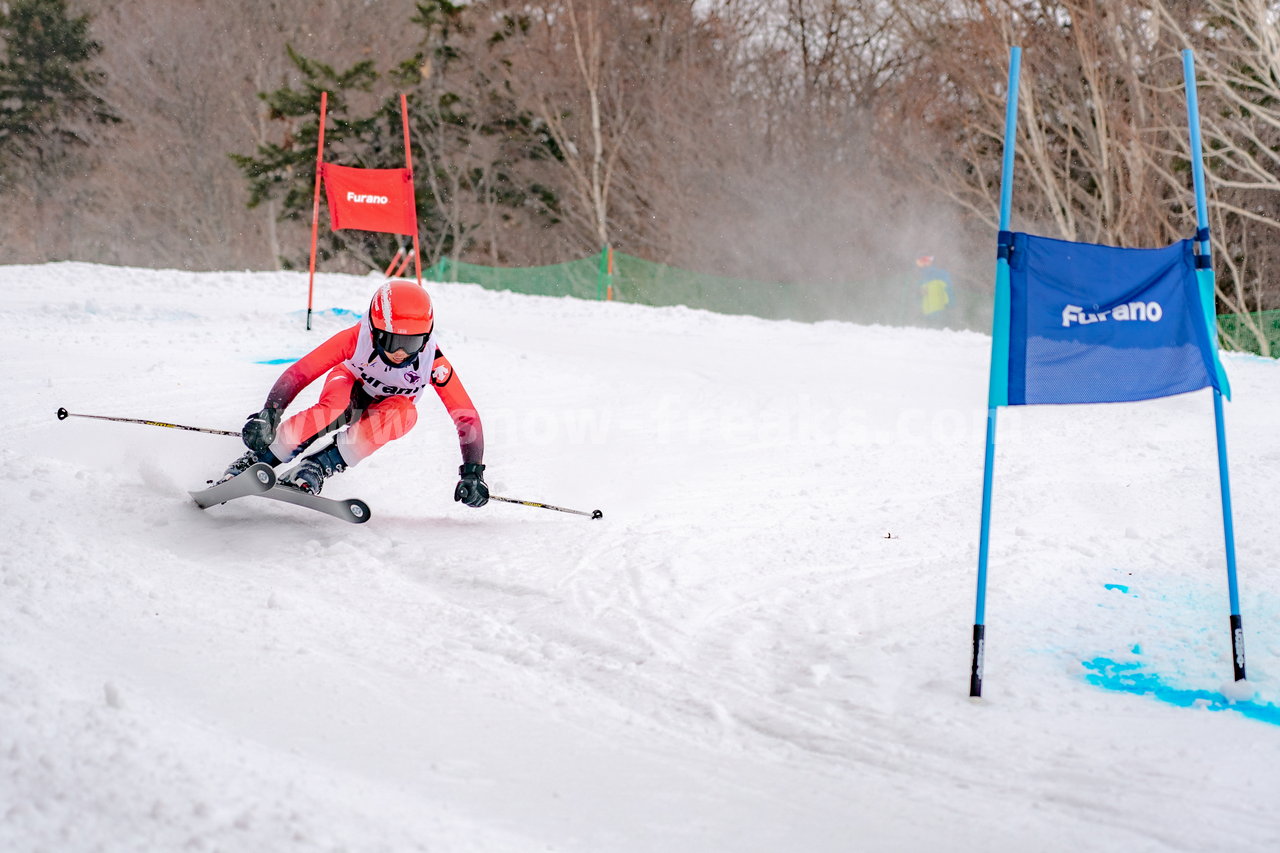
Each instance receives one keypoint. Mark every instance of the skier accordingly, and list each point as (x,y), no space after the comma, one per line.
(375,377)
(935,291)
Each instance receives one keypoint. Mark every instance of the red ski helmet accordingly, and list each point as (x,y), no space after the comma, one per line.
(401,317)
(403,308)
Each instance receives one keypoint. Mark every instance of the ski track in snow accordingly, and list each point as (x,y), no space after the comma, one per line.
(763,646)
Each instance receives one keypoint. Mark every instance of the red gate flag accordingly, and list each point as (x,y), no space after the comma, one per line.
(364,199)
(370,199)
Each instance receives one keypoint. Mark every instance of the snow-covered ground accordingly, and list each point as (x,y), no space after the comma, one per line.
(763,646)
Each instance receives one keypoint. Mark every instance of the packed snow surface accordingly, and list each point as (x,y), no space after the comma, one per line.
(762,646)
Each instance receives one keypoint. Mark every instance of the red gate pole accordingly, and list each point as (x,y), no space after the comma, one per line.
(315,207)
(408,162)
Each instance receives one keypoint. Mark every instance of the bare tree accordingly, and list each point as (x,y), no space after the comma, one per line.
(184,75)
(1237,47)
(1102,152)
(484,164)
(1091,130)
(568,58)
(786,140)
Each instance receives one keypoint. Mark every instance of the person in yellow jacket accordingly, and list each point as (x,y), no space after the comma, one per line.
(935,291)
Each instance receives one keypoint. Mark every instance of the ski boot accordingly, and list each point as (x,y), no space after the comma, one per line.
(311,472)
(250,457)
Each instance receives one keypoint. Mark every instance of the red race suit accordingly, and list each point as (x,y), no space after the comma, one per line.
(375,400)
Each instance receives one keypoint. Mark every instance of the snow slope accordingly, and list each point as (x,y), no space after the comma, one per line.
(763,646)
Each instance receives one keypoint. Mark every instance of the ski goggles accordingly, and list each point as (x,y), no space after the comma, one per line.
(390,342)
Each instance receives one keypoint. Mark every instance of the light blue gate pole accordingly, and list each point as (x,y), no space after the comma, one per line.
(1204,271)
(998,387)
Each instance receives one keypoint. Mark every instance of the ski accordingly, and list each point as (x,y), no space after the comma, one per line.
(254,480)
(260,479)
(353,510)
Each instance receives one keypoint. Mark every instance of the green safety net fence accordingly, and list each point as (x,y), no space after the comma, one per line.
(572,278)
(888,299)
(1257,332)
(892,300)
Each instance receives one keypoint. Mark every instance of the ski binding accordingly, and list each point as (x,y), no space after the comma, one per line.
(254,480)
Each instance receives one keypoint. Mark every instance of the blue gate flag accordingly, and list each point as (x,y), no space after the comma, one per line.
(1102,324)
(1082,323)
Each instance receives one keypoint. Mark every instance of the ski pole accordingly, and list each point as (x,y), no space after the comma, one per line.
(595,513)
(63,414)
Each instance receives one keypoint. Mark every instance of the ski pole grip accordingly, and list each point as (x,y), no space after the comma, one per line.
(63,414)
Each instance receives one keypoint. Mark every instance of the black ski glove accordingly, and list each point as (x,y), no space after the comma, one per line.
(471,489)
(260,430)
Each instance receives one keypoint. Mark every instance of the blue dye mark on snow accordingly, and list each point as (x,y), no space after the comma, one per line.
(1129,678)
(327,312)
(1118,586)
(1137,649)
(278,361)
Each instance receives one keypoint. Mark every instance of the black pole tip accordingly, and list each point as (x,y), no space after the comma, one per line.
(63,414)
(595,513)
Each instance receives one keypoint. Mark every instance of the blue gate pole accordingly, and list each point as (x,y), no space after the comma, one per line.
(998,388)
(1202,246)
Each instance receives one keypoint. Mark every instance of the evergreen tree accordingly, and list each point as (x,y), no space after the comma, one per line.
(48,100)
(287,169)
(470,143)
